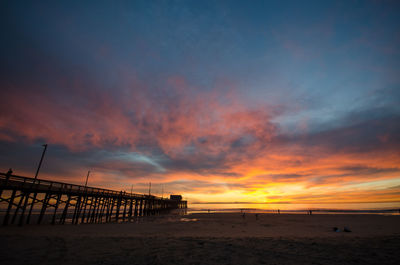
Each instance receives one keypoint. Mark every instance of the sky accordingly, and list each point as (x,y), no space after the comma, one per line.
(220,101)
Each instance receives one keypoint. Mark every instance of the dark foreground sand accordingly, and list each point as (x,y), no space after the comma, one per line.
(212,239)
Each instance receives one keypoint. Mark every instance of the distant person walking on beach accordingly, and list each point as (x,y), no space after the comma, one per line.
(244,215)
(279,211)
(256,216)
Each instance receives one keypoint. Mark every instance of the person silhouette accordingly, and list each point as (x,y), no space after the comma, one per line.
(8,174)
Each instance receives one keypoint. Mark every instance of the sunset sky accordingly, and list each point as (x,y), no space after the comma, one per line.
(220,101)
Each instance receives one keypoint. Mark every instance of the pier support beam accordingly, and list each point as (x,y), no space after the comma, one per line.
(21,197)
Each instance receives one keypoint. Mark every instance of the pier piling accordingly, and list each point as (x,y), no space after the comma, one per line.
(28,200)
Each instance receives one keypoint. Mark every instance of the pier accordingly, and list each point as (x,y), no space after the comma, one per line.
(25,200)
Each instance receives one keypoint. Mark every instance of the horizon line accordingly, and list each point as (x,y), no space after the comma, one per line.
(293,202)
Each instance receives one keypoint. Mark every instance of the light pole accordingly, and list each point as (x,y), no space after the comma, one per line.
(149,188)
(87,177)
(41,160)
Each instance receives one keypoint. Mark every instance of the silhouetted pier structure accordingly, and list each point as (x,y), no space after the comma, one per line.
(23,199)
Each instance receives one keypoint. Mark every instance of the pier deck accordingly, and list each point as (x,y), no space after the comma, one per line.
(23,199)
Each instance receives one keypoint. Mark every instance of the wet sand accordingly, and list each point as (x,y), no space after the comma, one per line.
(211,239)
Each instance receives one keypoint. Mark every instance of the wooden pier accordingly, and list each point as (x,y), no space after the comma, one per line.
(26,200)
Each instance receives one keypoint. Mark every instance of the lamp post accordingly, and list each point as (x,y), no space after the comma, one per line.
(41,160)
(87,177)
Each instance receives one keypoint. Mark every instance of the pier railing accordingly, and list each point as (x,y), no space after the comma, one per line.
(28,198)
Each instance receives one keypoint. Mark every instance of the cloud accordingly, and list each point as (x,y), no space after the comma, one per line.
(234,115)
(353,135)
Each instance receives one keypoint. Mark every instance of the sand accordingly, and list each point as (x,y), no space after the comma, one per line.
(210,239)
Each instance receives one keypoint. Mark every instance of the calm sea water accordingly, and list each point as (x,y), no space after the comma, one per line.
(367,208)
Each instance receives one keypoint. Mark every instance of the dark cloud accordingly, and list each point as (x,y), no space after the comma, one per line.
(154,90)
(349,174)
(366,133)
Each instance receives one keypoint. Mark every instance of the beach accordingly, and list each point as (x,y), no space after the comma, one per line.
(216,238)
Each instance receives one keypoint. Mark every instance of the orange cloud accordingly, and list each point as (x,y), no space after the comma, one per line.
(207,145)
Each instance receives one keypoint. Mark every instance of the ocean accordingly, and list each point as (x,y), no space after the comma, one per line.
(392,208)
